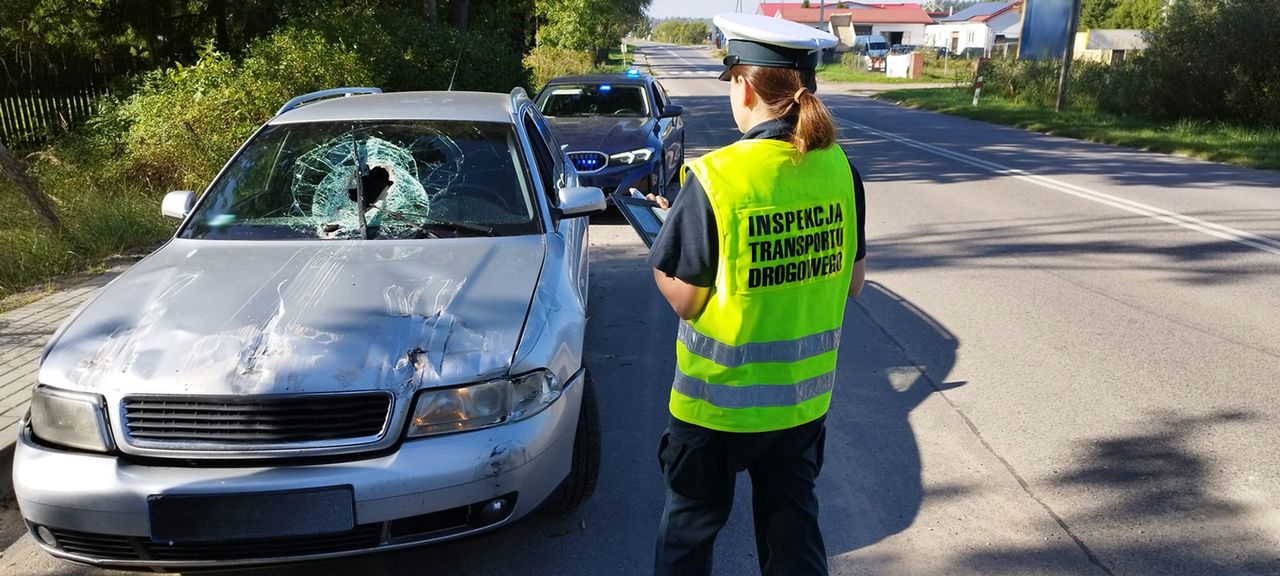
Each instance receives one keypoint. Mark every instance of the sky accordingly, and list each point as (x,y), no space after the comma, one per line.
(697,8)
(709,8)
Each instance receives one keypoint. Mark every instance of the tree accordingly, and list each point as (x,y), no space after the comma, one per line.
(13,170)
(1141,14)
(591,25)
(1094,13)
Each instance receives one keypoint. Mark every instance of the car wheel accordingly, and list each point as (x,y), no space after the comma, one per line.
(675,174)
(585,470)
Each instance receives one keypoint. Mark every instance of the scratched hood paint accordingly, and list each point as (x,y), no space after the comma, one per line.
(233,317)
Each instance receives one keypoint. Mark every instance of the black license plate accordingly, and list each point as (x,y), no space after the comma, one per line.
(196,518)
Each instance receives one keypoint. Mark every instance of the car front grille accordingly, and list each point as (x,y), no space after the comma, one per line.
(247,422)
(588,162)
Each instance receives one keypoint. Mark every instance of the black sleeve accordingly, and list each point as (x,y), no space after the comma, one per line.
(860,205)
(688,245)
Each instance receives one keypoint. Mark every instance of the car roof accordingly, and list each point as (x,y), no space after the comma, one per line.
(611,78)
(472,106)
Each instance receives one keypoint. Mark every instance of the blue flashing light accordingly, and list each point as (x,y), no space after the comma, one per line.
(605,88)
(633,73)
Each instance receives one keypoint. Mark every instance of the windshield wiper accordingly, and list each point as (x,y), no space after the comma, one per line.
(427,228)
(459,228)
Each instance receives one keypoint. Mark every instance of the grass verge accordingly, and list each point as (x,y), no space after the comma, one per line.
(1216,141)
(617,62)
(842,73)
(103,218)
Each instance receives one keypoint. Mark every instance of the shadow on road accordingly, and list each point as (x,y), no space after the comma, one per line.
(1068,245)
(1154,507)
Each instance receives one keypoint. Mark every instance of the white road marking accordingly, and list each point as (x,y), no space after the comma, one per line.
(1191,223)
(682,58)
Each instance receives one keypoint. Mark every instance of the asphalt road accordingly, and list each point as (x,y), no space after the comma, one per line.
(1064,363)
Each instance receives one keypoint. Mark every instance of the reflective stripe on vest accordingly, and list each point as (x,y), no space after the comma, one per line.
(777,351)
(762,354)
(755,395)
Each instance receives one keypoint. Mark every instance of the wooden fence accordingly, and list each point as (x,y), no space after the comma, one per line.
(32,116)
(43,97)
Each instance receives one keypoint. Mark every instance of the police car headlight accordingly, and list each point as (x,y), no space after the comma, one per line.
(72,419)
(482,405)
(632,157)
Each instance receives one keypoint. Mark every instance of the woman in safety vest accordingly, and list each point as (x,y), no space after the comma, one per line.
(758,257)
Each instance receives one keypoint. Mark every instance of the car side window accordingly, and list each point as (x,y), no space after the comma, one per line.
(663,101)
(545,159)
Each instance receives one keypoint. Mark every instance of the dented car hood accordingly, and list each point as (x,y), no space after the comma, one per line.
(254,317)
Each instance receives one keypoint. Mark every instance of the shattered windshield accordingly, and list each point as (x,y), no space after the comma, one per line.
(595,100)
(371,179)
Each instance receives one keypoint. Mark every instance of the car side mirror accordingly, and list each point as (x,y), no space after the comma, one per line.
(578,201)
(178,204)
(672,111)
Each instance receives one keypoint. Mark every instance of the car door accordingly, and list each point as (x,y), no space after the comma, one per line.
(670,132)
(568,250)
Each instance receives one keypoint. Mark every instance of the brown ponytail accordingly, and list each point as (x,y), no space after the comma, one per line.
(784,93)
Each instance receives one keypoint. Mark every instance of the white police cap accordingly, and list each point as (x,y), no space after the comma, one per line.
(757,40)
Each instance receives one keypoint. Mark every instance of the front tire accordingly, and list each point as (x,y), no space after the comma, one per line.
(585,470)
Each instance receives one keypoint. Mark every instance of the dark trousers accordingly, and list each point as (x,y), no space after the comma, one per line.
(700,466)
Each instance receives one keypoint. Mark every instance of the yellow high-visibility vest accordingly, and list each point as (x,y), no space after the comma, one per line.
(761,355)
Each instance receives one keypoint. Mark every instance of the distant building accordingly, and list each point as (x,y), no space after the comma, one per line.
(898,23)
(977,29)
(1109,46)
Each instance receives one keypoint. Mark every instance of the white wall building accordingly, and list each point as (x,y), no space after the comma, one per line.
(978,27)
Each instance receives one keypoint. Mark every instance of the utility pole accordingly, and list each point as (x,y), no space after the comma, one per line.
(1068,53)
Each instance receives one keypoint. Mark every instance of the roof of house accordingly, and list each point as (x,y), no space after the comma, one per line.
(1116,40)
(859,12)
(982,11)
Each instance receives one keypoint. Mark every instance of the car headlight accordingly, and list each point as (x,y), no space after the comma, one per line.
(72,419)
(632,157)
(483,405)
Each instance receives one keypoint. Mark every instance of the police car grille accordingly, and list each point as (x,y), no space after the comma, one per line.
(236,423)
(587,162)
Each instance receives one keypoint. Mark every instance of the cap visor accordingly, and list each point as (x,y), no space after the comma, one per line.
(724,76)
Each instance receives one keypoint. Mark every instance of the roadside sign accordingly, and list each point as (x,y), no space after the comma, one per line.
(1045,26)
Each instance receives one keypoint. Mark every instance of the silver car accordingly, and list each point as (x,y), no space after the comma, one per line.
(367,334)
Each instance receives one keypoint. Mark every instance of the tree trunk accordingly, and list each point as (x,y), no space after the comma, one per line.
(13,170)
(429,11)
(220,38)
(461,10)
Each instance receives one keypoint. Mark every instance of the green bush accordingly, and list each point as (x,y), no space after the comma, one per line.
(1232,75)
(679,31)
(185,122)
(547,62)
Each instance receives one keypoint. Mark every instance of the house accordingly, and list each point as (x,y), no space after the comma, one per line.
(978,28)
(1109,46)
(898,23)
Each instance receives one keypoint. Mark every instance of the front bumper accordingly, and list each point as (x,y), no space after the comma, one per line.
(96,507)
(643,177)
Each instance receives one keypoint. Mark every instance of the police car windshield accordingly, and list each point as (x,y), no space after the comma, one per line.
(569,100)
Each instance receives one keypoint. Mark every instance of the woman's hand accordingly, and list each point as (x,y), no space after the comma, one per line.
(661,201)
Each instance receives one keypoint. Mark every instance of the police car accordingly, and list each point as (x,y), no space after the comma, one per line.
(621,131)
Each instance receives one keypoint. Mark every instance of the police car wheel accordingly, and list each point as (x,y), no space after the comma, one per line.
(585,470)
